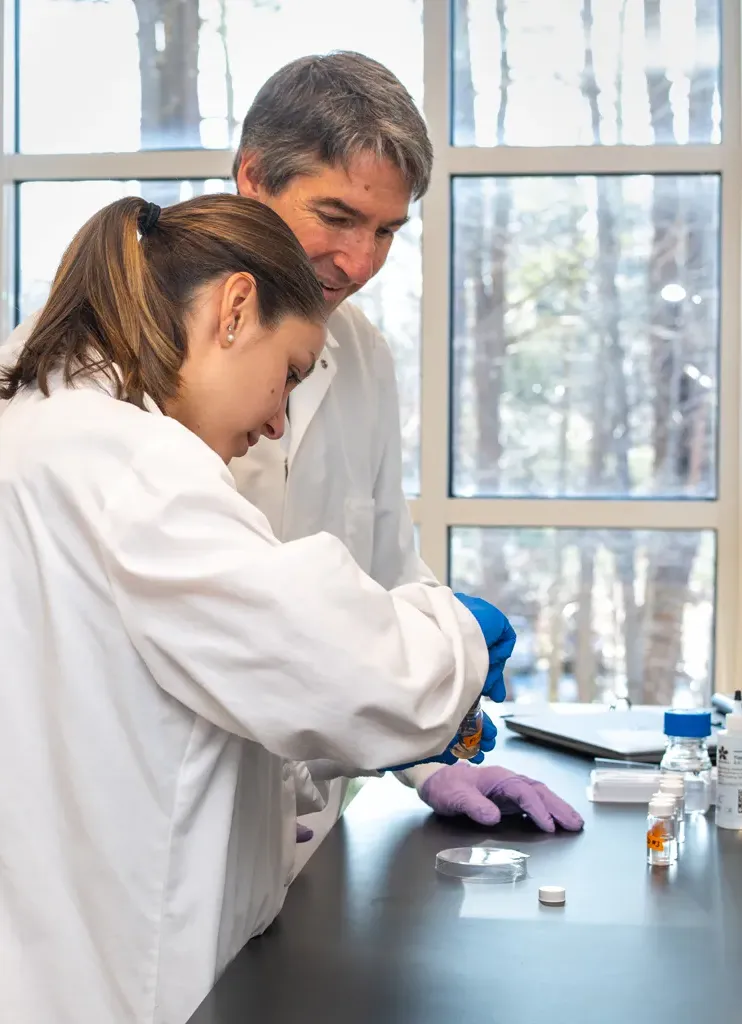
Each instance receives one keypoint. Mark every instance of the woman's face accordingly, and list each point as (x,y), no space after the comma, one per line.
(238,374)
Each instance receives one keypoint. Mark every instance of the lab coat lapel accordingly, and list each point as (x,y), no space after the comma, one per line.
(308,397)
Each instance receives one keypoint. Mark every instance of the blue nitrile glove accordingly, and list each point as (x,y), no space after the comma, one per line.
(489,733)
(499,636)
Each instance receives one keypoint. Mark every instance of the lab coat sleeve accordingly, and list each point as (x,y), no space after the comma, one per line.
(395,557)
(289,645)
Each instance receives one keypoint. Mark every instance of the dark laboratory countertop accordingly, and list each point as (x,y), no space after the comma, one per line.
(372,934)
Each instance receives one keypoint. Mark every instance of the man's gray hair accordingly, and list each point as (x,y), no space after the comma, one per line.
(329,108)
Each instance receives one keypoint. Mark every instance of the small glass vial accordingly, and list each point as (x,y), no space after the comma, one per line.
(469,738)
(662,846)
(674,786)
(687,756)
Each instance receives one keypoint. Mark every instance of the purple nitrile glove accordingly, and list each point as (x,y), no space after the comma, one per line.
(303,833)
(485,794)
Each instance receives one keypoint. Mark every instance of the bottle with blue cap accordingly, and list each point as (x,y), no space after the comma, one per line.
(687,756)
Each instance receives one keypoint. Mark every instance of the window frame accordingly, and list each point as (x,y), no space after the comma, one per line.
(435,511)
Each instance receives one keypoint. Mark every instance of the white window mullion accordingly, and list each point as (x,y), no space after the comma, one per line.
(579,513)
(728,659)
(436,212)
(512,160)
(155,164)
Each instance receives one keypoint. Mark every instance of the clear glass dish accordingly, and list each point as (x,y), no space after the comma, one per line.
(482,864)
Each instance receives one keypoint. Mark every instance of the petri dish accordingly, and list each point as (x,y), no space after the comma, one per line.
(482,864)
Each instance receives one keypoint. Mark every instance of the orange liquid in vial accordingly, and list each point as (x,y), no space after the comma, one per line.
(469,738)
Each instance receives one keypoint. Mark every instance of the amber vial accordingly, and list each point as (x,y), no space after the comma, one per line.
(469,738)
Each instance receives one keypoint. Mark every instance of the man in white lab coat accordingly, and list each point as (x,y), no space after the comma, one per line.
(336,146)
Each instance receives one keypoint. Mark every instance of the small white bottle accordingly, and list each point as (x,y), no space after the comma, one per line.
(729,774)
(662,845)
(674,786)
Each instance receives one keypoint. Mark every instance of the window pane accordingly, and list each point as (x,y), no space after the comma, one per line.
(391,301)
(599,613)
(163,74)
(51,212)
(585,72)
(585,336)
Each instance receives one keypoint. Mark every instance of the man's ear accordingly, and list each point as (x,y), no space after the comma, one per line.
(248,178)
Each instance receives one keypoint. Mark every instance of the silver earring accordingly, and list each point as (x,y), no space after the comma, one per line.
(230,333)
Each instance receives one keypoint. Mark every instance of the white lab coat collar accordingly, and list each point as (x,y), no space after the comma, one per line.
(151,406)
(102,381)
(307,399)
(148,404)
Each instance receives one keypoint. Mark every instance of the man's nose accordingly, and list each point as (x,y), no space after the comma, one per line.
(357,261)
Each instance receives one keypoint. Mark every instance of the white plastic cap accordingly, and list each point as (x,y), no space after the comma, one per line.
(733,723)
(662,805)
(674,784)
(552,895)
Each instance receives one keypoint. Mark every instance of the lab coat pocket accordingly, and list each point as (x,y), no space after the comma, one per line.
(359,530)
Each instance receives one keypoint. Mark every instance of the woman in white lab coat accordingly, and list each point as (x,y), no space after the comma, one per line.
(165,658)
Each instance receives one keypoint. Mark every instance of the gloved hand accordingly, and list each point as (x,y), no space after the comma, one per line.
(489,733)
(485,794)
(303,833)
(499,636)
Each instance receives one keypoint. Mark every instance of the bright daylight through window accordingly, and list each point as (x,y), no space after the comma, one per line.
(560,306)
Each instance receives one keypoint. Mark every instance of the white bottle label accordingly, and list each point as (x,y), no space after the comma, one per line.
(729,783)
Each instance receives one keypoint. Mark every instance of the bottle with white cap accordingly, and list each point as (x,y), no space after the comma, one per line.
(674,785)
(662,844)
(729,773)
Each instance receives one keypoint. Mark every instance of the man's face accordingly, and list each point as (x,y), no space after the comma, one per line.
(344,218)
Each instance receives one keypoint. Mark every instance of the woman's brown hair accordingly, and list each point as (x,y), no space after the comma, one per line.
(119,299)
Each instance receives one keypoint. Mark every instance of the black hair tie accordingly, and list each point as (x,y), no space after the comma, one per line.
(148,218)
